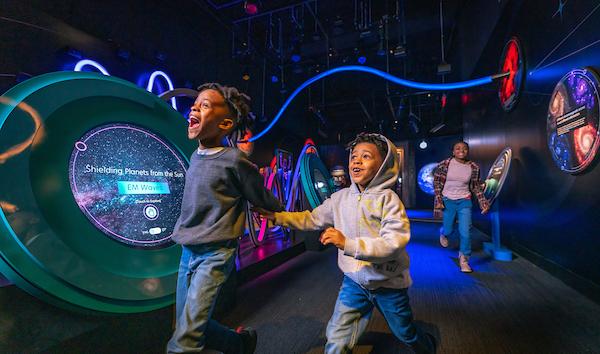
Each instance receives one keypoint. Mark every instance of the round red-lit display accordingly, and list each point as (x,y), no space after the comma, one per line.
(513,63)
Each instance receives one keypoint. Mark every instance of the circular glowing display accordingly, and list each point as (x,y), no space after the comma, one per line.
(425,178)
(90,193)
(573,119)
(497,174)
(128,182)
(512,63)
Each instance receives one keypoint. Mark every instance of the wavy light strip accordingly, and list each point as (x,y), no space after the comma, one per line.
(383,74)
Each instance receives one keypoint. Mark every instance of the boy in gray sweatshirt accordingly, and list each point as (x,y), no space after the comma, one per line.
(368,224)
(219,182)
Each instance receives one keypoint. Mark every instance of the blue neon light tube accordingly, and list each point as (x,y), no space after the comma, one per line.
(382,74)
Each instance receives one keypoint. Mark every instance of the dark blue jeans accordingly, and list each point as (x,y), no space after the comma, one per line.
(202,271)
(460,208)
(353,311)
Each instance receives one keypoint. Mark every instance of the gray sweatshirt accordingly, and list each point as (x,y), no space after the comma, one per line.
(374,223)
(216,189)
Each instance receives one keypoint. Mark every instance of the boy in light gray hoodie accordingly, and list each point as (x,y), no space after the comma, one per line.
(368,224)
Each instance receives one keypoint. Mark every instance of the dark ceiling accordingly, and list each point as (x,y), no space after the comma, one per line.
(294,40)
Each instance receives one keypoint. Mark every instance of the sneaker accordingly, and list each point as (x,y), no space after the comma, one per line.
(432,343)
(463,261)
(443,239)
(425,345)
(249,338)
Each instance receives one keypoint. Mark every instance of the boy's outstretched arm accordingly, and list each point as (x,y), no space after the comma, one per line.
(319,218)
(394,235)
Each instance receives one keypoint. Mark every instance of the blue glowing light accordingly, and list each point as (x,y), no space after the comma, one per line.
(295,58)
(362,59)
(383,74)
(274,78)
(86,62)
(153,77)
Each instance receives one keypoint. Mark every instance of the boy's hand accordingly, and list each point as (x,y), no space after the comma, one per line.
(333,236)
(267,214)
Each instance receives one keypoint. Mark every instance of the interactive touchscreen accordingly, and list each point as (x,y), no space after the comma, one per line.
(128,182)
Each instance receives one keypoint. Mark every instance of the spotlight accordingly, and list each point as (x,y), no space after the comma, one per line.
(399,51)
(251,7)
(437,127)
(338,26)
(246,74)
(423,145)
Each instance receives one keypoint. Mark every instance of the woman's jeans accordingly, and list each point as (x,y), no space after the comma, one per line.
(462,209)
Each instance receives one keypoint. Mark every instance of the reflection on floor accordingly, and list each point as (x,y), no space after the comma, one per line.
(273,243)
(510,307)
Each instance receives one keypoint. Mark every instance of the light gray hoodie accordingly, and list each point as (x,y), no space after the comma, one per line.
(374,223)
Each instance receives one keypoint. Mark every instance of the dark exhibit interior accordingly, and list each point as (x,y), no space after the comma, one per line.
(107,145)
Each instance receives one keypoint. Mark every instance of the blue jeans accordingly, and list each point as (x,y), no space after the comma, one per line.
(353,310)
(202,271)
(462,209)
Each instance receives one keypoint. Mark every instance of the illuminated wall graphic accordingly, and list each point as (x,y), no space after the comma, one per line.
(425,178)
(573,120)
(126,180)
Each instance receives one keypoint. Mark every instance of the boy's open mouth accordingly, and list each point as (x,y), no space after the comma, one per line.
(194,122)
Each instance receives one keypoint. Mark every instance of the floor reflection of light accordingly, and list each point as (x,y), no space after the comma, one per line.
(37,120)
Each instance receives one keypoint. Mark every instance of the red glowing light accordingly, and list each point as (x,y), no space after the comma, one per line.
(465,99)
(251,8)
(444,100)
(512,64)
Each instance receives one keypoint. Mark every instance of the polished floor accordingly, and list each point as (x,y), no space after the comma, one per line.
(511,307)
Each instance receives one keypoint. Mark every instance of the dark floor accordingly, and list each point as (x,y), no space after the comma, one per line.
(510,307)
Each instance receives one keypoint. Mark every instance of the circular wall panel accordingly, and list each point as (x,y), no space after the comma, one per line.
(91,177)
(513,63)
(573,120)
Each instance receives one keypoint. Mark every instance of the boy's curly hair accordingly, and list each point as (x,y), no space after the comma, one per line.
(237,102)
(372,138)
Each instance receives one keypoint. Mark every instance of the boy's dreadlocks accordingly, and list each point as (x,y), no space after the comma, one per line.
(237,102)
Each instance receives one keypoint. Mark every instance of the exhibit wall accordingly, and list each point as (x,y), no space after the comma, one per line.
(548,214)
